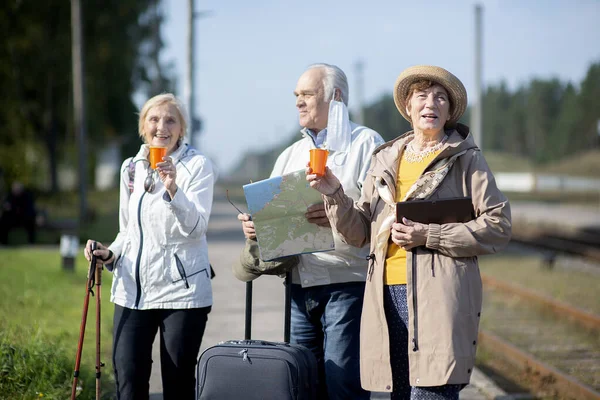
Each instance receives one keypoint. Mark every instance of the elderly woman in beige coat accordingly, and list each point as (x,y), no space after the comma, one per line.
(423,295)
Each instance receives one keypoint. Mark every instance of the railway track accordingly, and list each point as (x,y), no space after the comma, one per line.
(583,242)
(554,346)
(549,347)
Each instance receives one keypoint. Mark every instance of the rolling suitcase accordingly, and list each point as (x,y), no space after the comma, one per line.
(256,369)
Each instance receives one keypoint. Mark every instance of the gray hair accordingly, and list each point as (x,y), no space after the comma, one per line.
(158,100)
(335,78)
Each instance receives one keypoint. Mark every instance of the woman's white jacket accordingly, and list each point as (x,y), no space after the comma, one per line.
(161,250)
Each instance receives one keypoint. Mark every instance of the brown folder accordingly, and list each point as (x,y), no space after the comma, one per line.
(441,211)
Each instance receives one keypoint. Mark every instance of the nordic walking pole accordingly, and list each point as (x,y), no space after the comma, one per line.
(99,364)
(89,285)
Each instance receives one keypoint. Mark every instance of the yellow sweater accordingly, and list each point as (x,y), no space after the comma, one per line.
(395,262)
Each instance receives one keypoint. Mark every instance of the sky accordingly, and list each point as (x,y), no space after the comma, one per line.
(250,54)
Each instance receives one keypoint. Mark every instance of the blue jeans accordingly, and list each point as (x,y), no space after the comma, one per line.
(326,319)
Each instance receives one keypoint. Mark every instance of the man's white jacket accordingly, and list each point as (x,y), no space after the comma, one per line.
(345,263)
(161,250)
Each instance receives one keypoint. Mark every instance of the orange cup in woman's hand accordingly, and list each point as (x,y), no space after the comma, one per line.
(318,160)
(156,155)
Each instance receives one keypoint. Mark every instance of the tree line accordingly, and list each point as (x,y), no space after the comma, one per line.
(121,57)
(543,120)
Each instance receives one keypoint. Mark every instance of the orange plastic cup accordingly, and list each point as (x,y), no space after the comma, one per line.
(156,155)
(318,160)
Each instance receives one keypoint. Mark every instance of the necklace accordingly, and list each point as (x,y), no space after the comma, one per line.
(413,155)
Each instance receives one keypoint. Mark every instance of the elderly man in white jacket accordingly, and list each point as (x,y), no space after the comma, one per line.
(328,287)
(159,258)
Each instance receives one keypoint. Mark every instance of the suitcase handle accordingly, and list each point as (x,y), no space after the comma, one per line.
(254,342)
(287,318)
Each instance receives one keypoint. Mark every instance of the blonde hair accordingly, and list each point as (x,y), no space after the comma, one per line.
(165,98)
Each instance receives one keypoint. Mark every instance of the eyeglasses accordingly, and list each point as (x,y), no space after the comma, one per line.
(149,183)
(231,202)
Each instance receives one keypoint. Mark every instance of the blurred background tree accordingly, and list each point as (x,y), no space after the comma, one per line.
(542,121)
(122,46)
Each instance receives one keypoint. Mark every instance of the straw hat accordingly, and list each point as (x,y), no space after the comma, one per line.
(455,88)
(251,266)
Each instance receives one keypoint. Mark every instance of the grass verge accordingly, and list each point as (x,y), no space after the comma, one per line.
(574,287)
(40,315)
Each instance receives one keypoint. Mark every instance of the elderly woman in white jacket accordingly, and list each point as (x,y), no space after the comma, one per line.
(160,257)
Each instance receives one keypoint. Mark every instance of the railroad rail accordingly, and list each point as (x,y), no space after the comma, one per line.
(581,242)
(579,357)
(543,377)
(582,317)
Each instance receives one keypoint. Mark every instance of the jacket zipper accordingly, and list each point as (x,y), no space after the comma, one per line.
(181,271)
(415,342)
(184,276)
(138,283)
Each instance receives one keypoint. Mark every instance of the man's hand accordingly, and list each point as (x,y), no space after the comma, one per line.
(409,234)
(247,226)
(315,214)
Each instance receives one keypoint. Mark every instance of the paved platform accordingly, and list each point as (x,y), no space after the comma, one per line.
(226,321)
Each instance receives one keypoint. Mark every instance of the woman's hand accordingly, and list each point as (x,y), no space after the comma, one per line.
(102,253)
(327,184)
(408,234)
(247,226)
(167,174)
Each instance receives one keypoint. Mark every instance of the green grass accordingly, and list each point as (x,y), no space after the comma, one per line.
(505,162)
(576,288)
(584,164)
(40,315)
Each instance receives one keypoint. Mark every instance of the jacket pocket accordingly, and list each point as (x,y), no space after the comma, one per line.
(185,271)
(447,322)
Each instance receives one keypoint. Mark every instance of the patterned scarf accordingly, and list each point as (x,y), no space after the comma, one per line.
(427,183)
(430,180)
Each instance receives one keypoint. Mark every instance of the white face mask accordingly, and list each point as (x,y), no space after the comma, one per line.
(339,131)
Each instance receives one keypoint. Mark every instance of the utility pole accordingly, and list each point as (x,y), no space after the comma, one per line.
(476,116)
(79,104)
(157,84)
(359,69)
(190,84)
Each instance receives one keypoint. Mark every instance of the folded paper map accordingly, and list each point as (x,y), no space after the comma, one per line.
(278,206)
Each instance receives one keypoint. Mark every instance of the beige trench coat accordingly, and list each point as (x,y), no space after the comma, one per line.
(443,283)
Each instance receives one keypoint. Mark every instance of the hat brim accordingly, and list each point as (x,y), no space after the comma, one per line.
(242,274)
(251,266)
(453,85)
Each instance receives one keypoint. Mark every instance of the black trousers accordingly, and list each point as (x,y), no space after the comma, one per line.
(181,334)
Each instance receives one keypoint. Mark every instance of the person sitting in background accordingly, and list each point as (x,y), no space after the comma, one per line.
(159,258)
(423,295)
(18,209)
